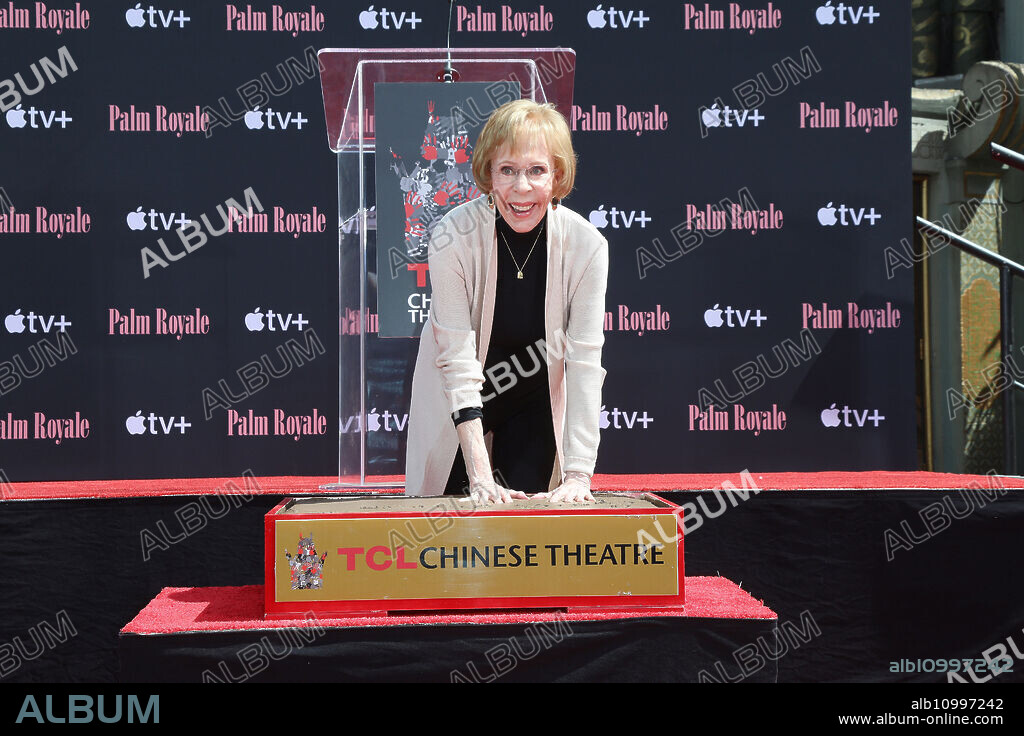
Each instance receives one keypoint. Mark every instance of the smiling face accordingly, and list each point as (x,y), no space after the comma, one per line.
(522,183)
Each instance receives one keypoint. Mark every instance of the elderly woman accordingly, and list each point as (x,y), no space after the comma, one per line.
(507,387)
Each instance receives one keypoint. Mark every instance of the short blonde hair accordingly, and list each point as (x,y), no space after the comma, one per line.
(517,124)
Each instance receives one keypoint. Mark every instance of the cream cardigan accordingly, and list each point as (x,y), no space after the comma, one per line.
(449,365)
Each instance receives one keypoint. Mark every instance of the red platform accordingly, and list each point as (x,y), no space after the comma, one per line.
(220,635)
(188,610)
(310,485)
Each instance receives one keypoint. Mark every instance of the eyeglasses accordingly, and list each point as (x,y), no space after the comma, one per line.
(508,175)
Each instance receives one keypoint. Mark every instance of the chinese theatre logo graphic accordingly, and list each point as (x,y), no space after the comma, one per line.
(307,570)
(441,179)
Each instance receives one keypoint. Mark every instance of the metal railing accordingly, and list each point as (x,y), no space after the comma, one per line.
(1007,270)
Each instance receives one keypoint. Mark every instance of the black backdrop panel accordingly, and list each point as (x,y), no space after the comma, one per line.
(812,556)
(646,83)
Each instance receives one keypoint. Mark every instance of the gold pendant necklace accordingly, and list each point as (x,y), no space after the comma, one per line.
(519,269)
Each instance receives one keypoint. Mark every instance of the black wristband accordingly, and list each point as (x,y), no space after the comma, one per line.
(465,415)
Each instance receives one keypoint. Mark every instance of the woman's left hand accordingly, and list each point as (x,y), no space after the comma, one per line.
(575,488)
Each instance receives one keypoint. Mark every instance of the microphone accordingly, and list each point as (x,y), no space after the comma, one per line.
(449,73)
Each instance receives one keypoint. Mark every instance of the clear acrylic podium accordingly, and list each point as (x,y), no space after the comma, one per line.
(375,374)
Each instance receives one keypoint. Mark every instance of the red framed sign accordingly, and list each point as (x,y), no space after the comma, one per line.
(372,554)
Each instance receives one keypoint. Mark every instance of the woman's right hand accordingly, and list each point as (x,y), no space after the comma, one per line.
(482,488)
(487,493)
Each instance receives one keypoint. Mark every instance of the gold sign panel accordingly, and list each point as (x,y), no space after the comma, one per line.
(477,556)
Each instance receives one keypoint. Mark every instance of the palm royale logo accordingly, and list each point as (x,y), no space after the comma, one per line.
(281,424)
(162,323)
(621,119)
(638,321)
(743,419)
(281,20)
(747,215)
(45,18)
(856,317)
(512,21)
(161,120)
(43,427)
(850,115)
(738,18)
(46,222)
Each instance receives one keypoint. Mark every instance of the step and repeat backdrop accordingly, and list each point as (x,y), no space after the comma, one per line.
(748,163)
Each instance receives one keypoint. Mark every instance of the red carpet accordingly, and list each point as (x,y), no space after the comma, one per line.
(305,485)
(181,610)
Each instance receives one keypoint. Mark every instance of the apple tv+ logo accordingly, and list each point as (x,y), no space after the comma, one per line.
(612,18)
(830,417)
(16,323)
(827,15)
(387,20)
(35,118)
(610,418)
(848,216)
(139,17)
(153,220)
(154,424)
(275,321)
(730,117)
(392,422)
(713,317)
(273,119)
(618,218)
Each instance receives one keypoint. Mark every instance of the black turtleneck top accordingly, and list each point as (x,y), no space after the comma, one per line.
(518,321)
